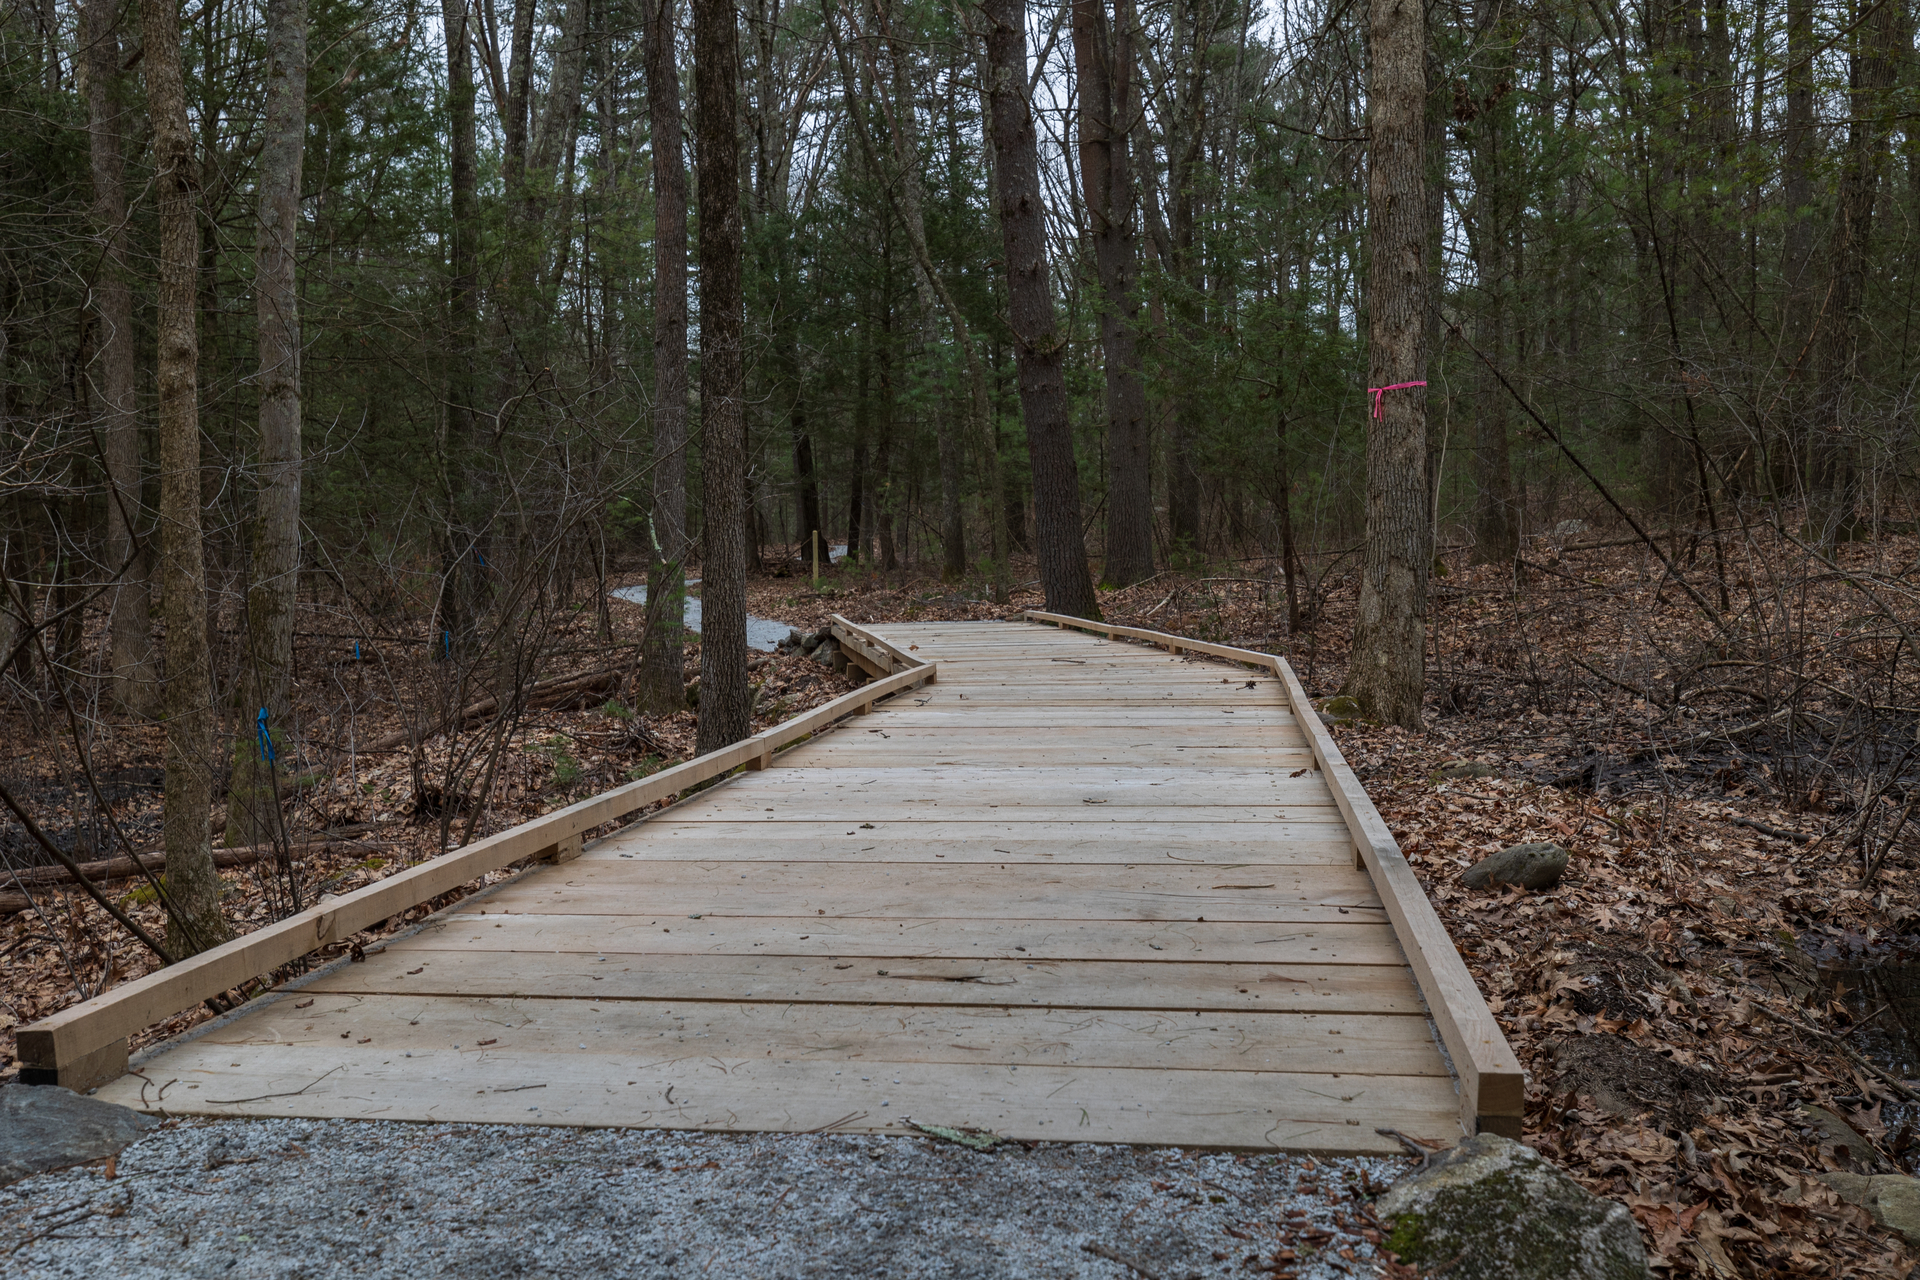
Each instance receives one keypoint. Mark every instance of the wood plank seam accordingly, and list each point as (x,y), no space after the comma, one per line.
(82,1031)
(1492,1084)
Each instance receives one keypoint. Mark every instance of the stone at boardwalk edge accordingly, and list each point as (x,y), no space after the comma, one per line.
(1531,866)
(1494,1209)
(46,1127)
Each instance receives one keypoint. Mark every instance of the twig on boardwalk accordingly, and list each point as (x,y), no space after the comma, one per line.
(261,1097)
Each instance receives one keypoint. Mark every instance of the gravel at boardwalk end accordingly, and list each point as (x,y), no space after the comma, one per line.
(300,1198)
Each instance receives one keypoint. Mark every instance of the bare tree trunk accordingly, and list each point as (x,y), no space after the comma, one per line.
(253,802)
(663,654)
(1833,494)
(909,199)
(460,581)
(1789,446)
(193,883)
(724,707)
(1103,63)
(805,474)
(1496,531)
(135,689)
(1039,346)
(884,500)
(1388,675)
(1182,257)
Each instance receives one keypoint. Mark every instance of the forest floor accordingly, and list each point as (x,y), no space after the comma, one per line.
(1680,1000)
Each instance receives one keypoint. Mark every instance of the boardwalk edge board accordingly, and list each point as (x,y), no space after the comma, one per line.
(86,1045)
(1492,1085)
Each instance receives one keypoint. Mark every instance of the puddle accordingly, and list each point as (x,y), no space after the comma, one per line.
(763,634)
(1884,993)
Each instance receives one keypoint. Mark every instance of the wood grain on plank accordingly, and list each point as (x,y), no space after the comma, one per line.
(665,839)
(1230,1110)
(900,1033)
(1192,987)
(918,890)
(1141,942)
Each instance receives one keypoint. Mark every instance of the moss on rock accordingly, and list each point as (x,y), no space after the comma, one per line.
(1493,1209)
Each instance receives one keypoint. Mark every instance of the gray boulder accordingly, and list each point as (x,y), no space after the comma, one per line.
(1846,1146)
(46,1127)
(1455,770)
(1892,1198)
(1338,709)
(1494,1209)
(1531,866)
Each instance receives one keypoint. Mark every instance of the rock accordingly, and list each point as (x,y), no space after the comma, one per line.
(1531,866)
(1892,1198)
(1339,710)
(1453,770)
(1494,1209)
(794,640)
(1848,1147)
(46,1127)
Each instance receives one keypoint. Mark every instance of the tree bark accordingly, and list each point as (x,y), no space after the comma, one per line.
(724,706)
(1788,447)
(805,474)
(135,687)
(253,801)
(1182,257)
(908,198)
(662,687)
(1496,531)
(1387,675)
(1833,493)
(460,579)
(1103,63)
(1039,346)
(193,883)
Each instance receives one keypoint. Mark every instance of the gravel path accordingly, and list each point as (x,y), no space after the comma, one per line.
(307,1198)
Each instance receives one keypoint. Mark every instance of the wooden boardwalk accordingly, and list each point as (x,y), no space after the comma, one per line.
(1077,889)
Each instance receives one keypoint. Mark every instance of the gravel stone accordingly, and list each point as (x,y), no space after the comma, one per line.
(299,1199)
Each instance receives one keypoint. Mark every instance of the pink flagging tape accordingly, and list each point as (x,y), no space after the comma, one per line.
(1378,392)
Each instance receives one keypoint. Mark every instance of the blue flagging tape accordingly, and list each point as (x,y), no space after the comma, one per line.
(266,739)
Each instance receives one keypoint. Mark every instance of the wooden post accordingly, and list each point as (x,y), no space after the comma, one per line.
(89,1071)
(566,850)
(816,559)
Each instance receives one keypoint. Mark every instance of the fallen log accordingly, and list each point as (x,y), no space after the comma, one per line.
(123,868)
(537,695)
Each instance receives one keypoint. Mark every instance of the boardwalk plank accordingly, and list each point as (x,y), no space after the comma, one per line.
(1142,942)
(1231,1110)
(666,839)
(899,1033)
(894,890)
(1188,987)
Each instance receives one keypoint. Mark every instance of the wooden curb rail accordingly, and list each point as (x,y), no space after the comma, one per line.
(1492,1086)
(86,1045)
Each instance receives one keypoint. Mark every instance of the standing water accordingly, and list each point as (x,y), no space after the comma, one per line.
(763,634)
